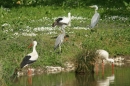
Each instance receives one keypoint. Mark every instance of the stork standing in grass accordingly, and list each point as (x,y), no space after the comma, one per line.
(59,40)
(104,55)
(63,21)
(31,57)
(95,17)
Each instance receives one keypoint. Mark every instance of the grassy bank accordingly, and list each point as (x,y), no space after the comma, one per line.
(111,34)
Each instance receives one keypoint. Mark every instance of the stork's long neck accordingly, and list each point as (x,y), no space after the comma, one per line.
(34,49)
(96,8)
(63,31)
(110,60)
(69,15)
(95,11)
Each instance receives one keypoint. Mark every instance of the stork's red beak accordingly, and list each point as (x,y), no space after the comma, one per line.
(30,45)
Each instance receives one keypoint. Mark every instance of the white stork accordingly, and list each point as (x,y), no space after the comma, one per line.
(31,57)
(104,55)
(63,21)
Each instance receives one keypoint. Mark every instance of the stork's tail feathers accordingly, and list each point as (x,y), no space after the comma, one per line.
(22,65)
(90,26)
(55,48)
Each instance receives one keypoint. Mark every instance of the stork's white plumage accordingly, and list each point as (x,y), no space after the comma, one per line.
(63,21)
(31,57)
(103,54)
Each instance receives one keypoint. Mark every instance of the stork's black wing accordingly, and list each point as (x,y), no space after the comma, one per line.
(25,61)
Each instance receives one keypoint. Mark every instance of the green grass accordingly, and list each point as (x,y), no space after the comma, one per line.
(111,35)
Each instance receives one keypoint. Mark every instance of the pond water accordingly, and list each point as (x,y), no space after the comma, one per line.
(119,77)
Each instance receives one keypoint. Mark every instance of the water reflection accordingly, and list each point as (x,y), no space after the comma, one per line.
(29,79)
(106,81)
(85,80)
(101,69)
(65,80)
(118,77)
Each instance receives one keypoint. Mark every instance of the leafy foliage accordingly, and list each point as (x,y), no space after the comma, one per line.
(127,5)
(64,3)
